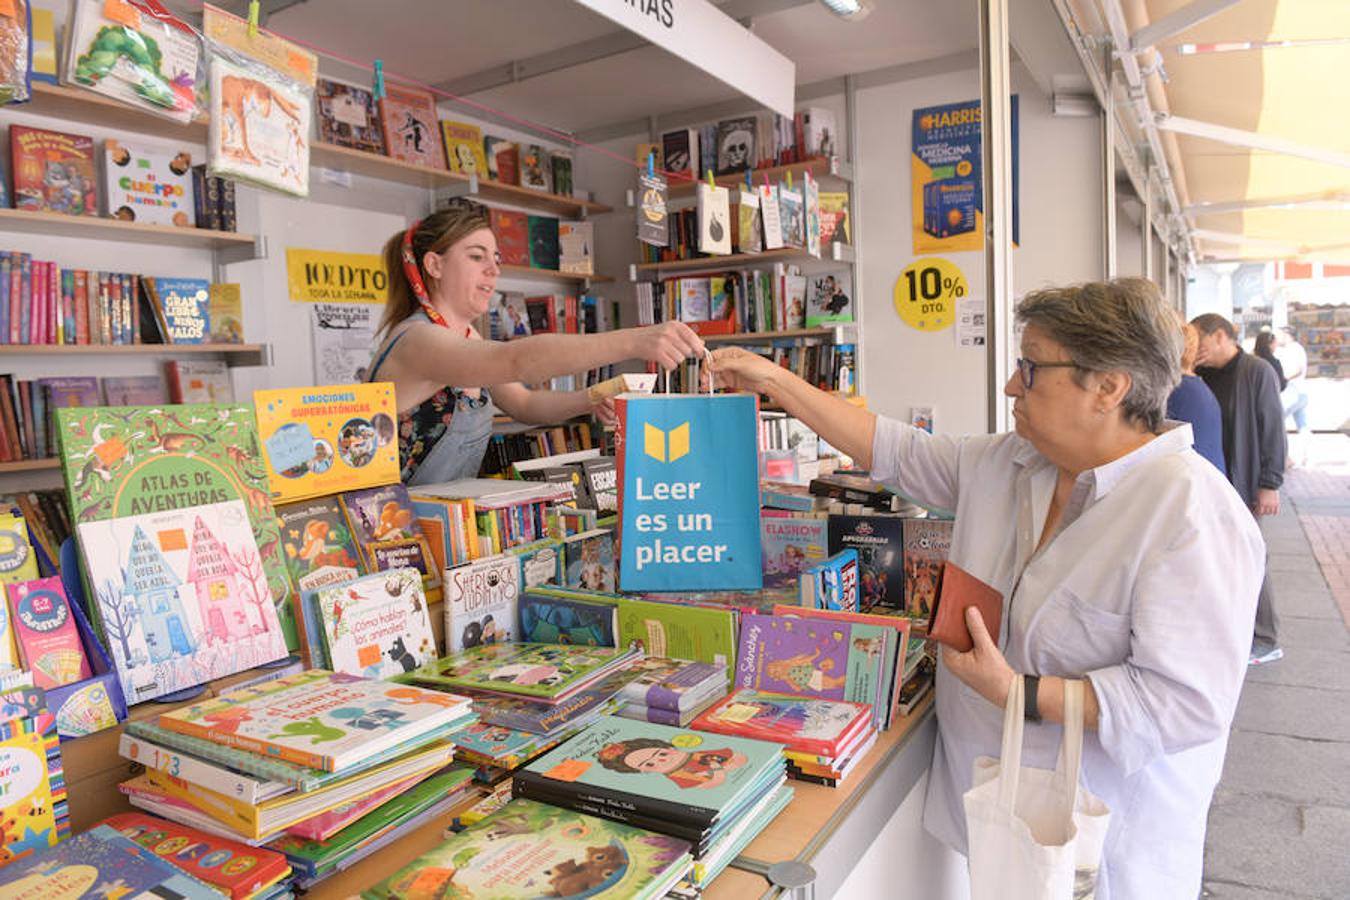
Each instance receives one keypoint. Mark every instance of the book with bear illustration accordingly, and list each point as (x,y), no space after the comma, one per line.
(377,626)
(325,720)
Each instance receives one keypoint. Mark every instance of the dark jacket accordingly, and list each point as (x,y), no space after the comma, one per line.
(1255,447)
(1192,401)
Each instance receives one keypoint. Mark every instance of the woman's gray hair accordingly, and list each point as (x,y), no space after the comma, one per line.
(1120,325)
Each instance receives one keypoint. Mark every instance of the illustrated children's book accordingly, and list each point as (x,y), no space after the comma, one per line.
(347,116)
(377,626)
(827,299)
(790,546)
(318,442)
(185,304)
(480,602)
(546,671)
(49,643)
(803,724)
(529,849)
(135,390)
(546,619)
(879,541)
(408,120)
(140,60)
(686,777)
(540,563)
(182,595)
(503,159)
(53,171)
(464,148)
(318,543)
(927,543)
(225,310)
(71,391)
(240,871)
(17,560)
(133,460)
(535,171)
(538,717)
(32,784)
(148,185)
(100,862)
(260,127)
(199,381)
(673,684)
(325,720)
(385,527)
(588,561)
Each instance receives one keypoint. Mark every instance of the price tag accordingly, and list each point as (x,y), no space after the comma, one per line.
(568,770)
(926,293)
(123,13)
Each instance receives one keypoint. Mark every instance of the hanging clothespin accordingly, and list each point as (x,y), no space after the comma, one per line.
(253,11)
(711,182)
(788,177)
(750,180)
(651,165)
(379,79)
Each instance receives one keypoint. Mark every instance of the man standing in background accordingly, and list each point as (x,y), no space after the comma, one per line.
(1253,444)
(1294,397)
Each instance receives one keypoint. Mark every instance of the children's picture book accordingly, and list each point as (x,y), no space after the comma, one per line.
(236,869)
(347,116)
(113,57)
(547,619)
(544,251)
(186,307)
(735,145)
(377,626)
(135,390)
(535,850)
(792,214)
(321,441)
(833,584)
(503,159)
(770,216)
(133,460)
(18,562)
(225,308)
(811,213)
(49,643)
(99,863)
(714,219)
(182,595)
(385,527)
(687,777)
(31,782)
(480,602)
(802,723)
(512,231)
(318,543)
(199,381)
(74,390)
(827,659)
(260,128)
(879,541)
(927,545)
(834,224)
(43,38)
(540,563)
(539,717)
(535,171)
(464,148)
(827,299)
(145,184)
(408,120)
(53,171)
(589,561)
(325,720)
(673,684)
(545,671)
(680,631)
(790,546)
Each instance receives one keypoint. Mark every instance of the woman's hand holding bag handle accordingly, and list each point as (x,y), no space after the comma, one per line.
(1034,834)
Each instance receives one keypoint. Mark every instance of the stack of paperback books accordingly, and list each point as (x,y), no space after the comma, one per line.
(714,791)
(301,760)
(672,691)
(824,739)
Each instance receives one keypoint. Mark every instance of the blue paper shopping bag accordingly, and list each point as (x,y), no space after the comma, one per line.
(688,492)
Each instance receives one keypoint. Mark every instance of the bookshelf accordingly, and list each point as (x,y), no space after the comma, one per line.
(838,253)
(532,274)
(818,166)
(235,354)
(841,333)
(30,465)
(96,227)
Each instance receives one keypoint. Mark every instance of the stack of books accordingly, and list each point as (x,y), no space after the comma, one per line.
(506,513)
(102,856)
(717,793)
(824,739)
(301,757)
(672,691)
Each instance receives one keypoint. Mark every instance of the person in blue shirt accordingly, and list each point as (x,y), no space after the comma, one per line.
(1192,401)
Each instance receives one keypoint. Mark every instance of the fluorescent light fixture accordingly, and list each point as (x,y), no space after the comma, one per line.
(1250,139)
(852,10)
(1069,104)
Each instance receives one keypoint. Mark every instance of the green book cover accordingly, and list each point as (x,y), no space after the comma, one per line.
(533,670)
(129,461)
(529,849)
(675,631)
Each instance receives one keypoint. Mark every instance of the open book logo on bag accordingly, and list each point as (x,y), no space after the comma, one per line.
(665,446)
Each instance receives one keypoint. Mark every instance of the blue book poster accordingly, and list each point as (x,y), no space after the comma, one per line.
(947,191)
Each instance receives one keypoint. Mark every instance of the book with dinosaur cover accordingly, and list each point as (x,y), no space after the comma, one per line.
(347,116)
(532,849)
(377,626)
(464,148)
(385,527)
(49,644)
(148,185)
(138,460)
(325,720)
(480,602)
(318,543)
(408,120)
(115,59)
(550,672)
(53,171)
(101,856)
(320,441)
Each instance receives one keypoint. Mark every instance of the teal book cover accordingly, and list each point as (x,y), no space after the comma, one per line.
(546,671)
(529,849)
(704,773)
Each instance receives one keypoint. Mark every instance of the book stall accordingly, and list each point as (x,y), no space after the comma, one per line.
(241,654)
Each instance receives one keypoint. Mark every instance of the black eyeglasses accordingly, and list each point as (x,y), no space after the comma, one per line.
(1027,369)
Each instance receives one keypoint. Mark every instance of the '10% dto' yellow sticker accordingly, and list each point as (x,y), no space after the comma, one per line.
(926,293)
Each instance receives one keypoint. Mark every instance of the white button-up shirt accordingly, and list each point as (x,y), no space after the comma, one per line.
(1148,588)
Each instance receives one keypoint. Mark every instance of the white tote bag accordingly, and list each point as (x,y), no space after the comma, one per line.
(1034,834)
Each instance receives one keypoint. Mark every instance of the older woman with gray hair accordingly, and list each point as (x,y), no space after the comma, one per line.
(1124,559)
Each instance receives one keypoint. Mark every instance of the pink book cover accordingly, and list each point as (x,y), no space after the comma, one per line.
(15,300)
(37,302)
(57,332)
(326,824)
(411,128)
(49,643)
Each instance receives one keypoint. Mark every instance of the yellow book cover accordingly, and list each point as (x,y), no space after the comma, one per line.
(17,560)
(226,307)
(326,440)
(464,148)
(25,792)
(44,49)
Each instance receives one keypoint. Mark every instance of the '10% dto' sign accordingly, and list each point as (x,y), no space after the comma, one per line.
(926,293)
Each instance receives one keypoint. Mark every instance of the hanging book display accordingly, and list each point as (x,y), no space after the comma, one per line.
(651,217)
(262,97)
(347,117)
(714,218)
(147,62)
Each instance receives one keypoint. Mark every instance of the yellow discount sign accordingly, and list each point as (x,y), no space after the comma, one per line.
(320,276)
(926,293)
